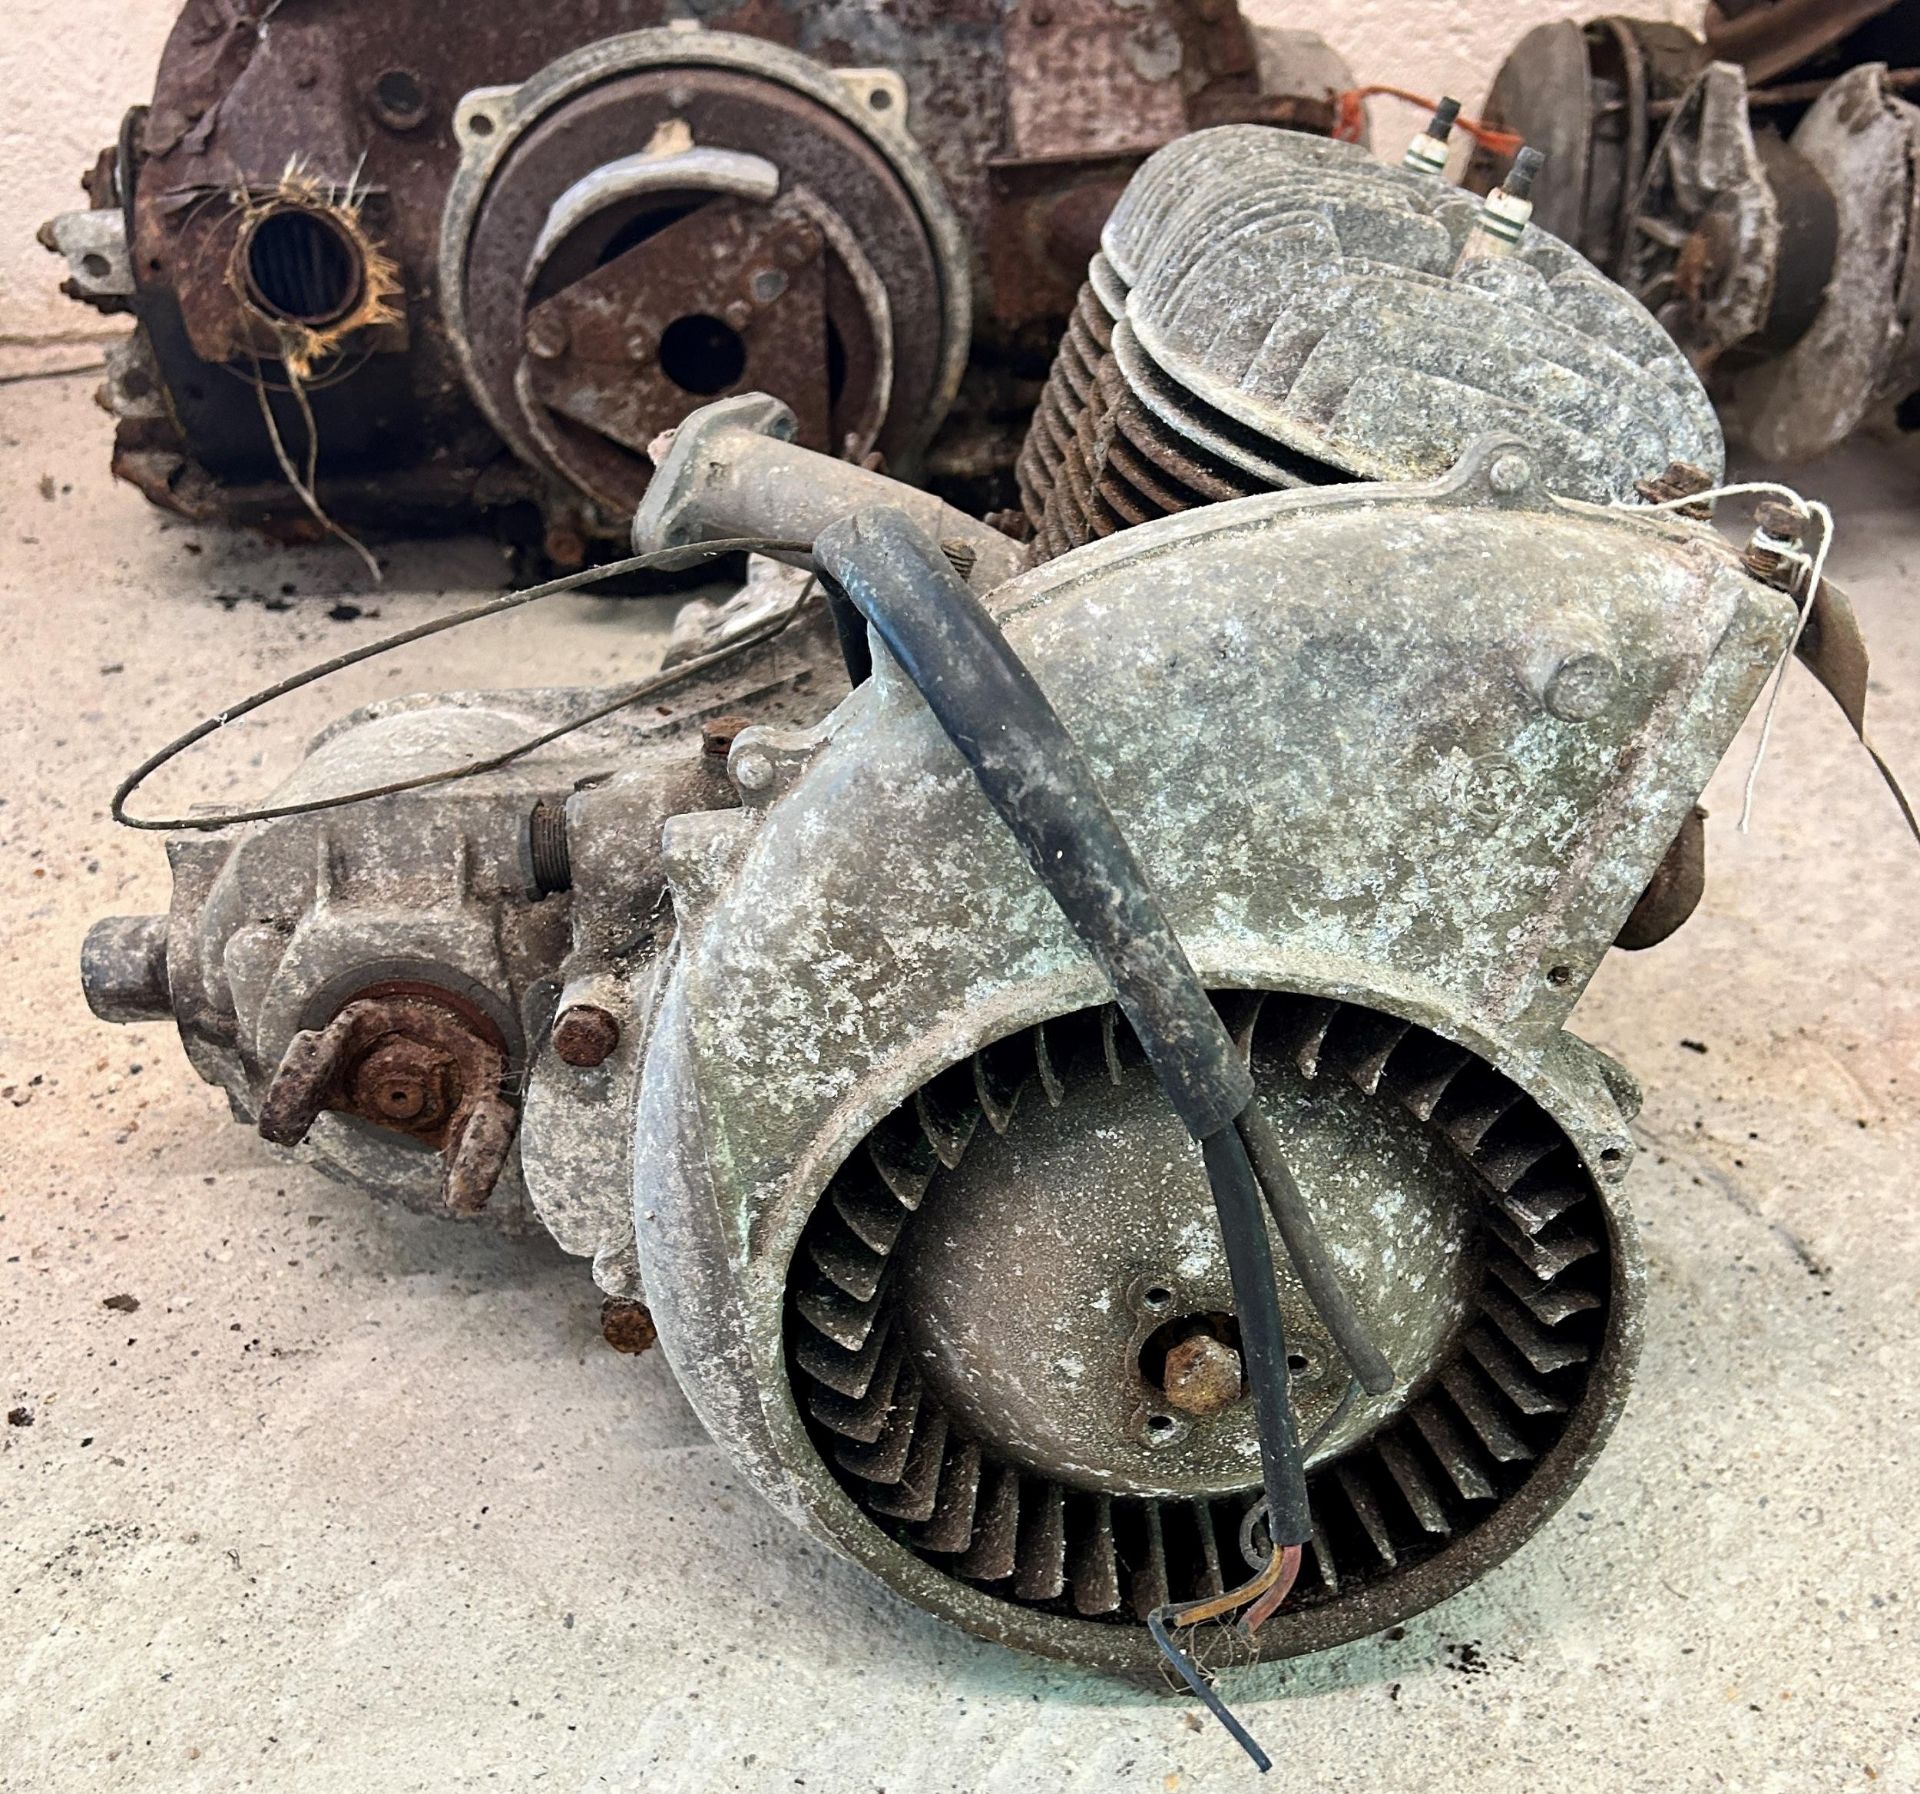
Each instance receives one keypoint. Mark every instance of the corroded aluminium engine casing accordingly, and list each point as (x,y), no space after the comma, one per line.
(1415,748)
(440,892)
(1271,310)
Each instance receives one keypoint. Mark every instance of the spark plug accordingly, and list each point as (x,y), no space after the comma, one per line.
(1427,153)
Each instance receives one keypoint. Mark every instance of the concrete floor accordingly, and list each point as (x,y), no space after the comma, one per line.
(357,1500)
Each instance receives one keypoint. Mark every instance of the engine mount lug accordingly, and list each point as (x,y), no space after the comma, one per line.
(585,1035)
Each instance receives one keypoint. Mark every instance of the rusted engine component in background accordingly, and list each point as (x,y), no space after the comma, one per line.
(1756,188)
(506,247)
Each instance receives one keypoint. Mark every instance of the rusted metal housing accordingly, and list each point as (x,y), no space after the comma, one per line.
(463,262)
(1755,187)
(807,1061)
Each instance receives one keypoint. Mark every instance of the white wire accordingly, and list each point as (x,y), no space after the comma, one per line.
(1815,565)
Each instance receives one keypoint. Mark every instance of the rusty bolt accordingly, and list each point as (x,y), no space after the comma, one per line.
(1202,1376)
(768,284)
(717,733)
(1681,480)
(565,547)
(585,1035)
(1776,528)
(403,1082)
(547,335)
(626,1325)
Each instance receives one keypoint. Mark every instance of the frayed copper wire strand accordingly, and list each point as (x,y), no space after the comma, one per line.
(1350,119)
(1270,1603)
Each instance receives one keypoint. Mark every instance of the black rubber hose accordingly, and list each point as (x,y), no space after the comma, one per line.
(1311,1262)
(1036,777)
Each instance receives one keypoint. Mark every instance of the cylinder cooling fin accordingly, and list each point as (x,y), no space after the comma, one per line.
(1272,311)
(983,1312)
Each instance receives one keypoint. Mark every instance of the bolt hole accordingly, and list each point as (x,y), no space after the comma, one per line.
(399,99)
(702,355)
(1160,1425)
(94,265)
(303,267)
(1158,1296)
(480,124)
(880,99)
(1612,1155)
(1299,1363)
(1560,975)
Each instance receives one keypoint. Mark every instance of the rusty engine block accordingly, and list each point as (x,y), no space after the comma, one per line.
(401,265)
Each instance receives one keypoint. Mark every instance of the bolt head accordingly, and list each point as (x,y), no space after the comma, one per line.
(1581,687)
(626,1325)
(1509,474)
(547,336)
(752,770)
(1202,1376)
(585,1035)
(401,1082)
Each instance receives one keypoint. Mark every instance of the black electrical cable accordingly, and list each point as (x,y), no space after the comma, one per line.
(1036,777)
(492,607)
(1032,771)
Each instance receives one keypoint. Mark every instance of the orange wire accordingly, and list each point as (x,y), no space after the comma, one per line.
(1350,119)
